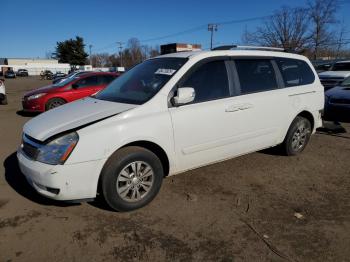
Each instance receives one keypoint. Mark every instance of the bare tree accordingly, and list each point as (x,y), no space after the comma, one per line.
(322,15)
(287,28)
(340,39)
(100,60)
(154,51)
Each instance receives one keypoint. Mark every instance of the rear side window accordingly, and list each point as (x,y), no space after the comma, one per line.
(209,81)
(295,72)
(256,75)
(105,79)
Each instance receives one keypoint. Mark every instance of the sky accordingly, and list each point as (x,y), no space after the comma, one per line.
(31,28)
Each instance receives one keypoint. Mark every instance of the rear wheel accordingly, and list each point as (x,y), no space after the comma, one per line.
(3,99)
(297,137)
(53,103)
(131,178)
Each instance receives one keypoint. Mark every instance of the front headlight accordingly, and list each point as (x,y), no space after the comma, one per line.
(35,96)
(58,150)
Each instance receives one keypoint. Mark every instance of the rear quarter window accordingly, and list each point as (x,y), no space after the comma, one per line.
(255,75)
(295,72)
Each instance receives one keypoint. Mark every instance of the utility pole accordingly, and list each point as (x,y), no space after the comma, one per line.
(120,46)
(90,46)
(212,28)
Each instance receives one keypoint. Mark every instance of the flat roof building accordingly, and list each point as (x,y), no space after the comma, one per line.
(178,47)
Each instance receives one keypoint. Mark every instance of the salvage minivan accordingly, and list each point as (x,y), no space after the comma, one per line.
(167,115)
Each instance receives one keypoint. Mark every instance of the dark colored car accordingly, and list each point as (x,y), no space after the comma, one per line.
(47,74)
(22,72)
(49,97)
(59,75)
(10,74)
(337,103)
(323,67)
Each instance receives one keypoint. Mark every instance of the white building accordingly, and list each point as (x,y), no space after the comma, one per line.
(33,65)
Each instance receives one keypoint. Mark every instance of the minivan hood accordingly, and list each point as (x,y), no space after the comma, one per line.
(334,74)
(71,116)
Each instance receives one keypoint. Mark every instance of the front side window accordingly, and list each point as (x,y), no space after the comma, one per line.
(256,75)
(142,82)
(295,72)
(209,81)
(86,82)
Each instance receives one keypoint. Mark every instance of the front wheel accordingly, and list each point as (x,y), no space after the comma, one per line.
(297,137)
(3,99)
(53,103)
(131,178)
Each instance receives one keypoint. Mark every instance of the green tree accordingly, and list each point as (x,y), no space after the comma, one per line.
(71,51)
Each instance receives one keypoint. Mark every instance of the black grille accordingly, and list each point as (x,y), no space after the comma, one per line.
(30,147)
(30,150)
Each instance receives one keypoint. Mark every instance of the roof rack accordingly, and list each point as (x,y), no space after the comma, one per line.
(242,47)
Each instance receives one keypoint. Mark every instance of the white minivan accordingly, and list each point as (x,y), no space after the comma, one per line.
(167,115)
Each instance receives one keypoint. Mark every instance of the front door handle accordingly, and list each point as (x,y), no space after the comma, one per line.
(235,108)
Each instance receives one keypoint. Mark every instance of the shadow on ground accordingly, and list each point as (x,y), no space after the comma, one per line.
(18,182)
(26,114)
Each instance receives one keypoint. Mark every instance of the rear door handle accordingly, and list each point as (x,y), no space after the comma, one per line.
(232,109)
(235,108)
(245,106)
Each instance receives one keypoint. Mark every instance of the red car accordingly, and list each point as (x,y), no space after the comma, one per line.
(48,97)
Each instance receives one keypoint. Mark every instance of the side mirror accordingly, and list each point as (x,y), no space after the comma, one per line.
(75,86)
(184,95)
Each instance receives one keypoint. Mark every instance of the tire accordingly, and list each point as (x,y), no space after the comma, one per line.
(53,103)
(297,137)
(121,189)
(3,99)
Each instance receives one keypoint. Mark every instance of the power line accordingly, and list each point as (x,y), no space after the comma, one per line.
(191,30)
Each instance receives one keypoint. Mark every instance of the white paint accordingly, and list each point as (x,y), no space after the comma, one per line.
(192,135)
(2,88)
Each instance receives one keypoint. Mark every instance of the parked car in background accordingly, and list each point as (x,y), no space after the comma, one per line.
(3,98)
(49,97)
(10,74)
(323,67)
(59,75)
(337,103)
(47,75)
(167,115)
(71,76)
(22,72)
(336,74)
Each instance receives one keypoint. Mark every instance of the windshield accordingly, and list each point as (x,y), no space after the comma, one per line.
(346,82)
(64,82)
(341,67)
(141,83)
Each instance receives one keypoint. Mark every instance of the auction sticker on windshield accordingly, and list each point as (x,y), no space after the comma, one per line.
(165,71)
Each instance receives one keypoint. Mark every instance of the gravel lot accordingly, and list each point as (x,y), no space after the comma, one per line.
(245,209)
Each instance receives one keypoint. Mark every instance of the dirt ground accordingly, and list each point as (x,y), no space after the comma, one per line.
(239,210)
